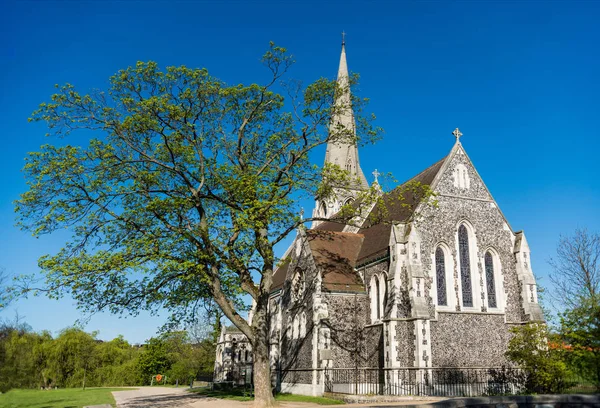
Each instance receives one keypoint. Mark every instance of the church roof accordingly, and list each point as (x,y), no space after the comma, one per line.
(335,254)
(376,237)
(280,274)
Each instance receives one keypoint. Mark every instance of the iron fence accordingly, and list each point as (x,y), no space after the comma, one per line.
(449,382)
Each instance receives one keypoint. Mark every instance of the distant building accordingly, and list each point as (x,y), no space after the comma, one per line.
(233,360)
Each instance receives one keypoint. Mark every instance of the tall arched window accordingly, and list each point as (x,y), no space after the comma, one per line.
(302,325)
(440,274)
(378,298)
(465,266)
(349,165)
(489,277)
(384,298)
(324,208)
(296,328)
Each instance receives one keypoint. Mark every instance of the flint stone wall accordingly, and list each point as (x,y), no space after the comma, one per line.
(348,316)
(469,340)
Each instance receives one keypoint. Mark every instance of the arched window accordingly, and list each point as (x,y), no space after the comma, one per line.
(298,284)
(302,325)
(378,298)
(465,266)
(324,208)
(440,274)
(349,165)
(384,298)
(296,329)
(489,277)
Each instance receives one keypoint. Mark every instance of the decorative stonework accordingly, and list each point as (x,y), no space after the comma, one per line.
(448,185)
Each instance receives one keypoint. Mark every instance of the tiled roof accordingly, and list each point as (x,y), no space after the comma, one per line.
(396,210)
(336,253)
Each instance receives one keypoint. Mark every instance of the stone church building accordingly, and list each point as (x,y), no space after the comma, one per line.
(436,285)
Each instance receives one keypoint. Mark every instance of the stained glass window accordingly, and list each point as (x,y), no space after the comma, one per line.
(377,297)
(489,277)
(440,273)
(465,266)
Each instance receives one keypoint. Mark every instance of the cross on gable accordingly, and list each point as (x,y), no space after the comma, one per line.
(457,133)
(376,174)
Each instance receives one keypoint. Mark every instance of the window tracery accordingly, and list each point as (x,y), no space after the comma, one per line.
(440,272)
(465,266)
(298,284)
(489,277)
(378,298)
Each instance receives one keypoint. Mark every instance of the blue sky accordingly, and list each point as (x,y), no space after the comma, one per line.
(520,79)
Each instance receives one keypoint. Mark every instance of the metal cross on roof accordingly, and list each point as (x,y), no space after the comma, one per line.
(343,38)
(376,174)
(457,133)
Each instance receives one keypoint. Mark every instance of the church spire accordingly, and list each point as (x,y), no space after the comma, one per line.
(345,154)
(342,153)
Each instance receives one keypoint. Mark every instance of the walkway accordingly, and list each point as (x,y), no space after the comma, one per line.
(164,397)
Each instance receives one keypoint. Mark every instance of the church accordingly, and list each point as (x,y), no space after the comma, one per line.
(360,308)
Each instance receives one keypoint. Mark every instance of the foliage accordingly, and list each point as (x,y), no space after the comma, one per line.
(34,360)
(529,349)
(580,336)
(61,398)
(185,189)
(577,286)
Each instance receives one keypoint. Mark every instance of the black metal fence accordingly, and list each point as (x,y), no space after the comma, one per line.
(450,382)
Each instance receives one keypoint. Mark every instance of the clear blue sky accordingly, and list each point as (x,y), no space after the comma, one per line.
(520,79)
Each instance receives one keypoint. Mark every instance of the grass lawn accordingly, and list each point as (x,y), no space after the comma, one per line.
(61,398)
(238,394)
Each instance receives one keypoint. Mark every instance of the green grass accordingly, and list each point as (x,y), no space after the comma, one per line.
(238,394)
(61,398)
(304,398)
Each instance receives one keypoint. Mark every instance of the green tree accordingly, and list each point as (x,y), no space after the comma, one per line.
(545,367)
(576,278)
(186,190)
(73,354)
(154,359)
(117,364)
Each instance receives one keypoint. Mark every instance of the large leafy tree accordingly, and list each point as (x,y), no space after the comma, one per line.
(179,188)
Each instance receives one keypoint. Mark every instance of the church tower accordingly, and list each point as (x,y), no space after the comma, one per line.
(341,153)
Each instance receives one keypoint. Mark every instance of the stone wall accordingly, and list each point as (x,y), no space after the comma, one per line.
(296,346)
(469,340)
(405,343)
(373,346)
(348,316)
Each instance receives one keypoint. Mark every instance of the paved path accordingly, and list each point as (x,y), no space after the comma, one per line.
(159,397)
(164,397)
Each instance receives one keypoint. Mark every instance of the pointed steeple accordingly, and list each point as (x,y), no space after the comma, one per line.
(345,154)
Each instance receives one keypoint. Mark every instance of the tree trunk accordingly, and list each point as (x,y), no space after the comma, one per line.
(263,393)
(84,373)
